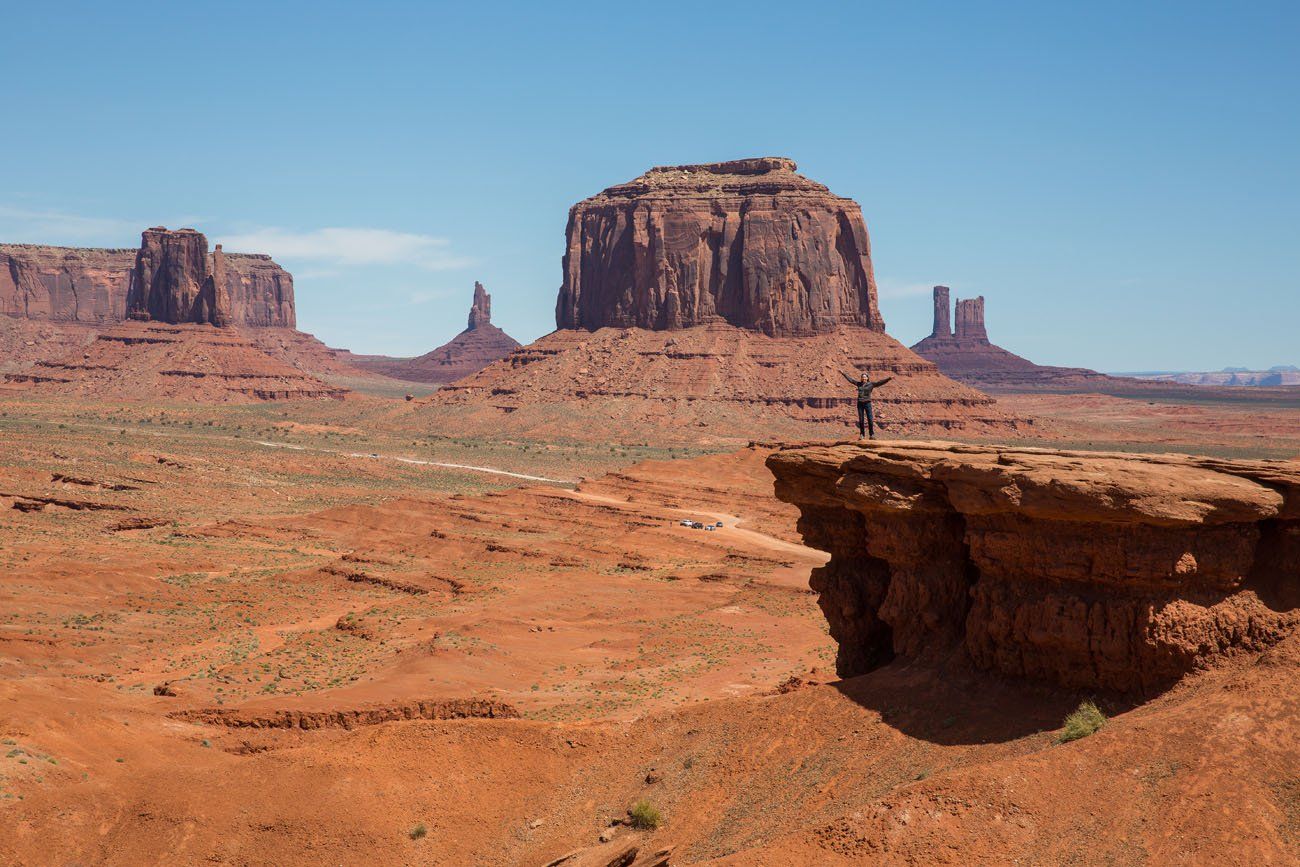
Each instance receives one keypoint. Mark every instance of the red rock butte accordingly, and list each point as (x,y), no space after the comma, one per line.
(171,320)
(965,353)
(748,242)
(95,285)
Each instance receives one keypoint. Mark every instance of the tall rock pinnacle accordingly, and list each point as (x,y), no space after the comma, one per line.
(942,313)
(480,312)
(748,242)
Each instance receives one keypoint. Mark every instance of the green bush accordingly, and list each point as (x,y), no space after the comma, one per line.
(645,815)
(1085,720)
(418,832)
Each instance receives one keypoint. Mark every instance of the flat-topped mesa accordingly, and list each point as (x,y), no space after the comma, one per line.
(480,311)
(748,242)
(1091,570)
(176,281)
(95,286)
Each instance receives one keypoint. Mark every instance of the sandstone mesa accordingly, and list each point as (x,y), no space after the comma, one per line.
(748,242)
(96,286)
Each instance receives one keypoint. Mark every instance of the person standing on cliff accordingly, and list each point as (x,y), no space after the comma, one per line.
(866,420)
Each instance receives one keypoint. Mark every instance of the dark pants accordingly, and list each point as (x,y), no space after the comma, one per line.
(865,420)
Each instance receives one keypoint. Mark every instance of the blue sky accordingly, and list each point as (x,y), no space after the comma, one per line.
(1120,181)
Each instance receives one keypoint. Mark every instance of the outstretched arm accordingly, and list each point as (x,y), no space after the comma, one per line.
(882,382)
(849,378)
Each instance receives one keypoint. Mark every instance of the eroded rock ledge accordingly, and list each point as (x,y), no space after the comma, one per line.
(1095,570)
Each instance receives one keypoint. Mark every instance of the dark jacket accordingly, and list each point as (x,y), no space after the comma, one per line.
(865,388)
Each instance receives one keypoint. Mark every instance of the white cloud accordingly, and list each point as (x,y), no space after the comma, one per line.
(898,289)
(350,246)
(322,249)
(25,225)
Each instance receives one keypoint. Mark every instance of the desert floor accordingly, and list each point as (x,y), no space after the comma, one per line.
(324,632)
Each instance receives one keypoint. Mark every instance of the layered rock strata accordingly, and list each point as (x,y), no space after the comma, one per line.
(942,313)
(1091,570)
(720,378)
(91,286)
(473,349)
(162,361)
(748,242)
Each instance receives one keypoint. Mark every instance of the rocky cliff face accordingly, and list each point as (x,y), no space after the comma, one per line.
(1091,570)
(261,292)
(151,360)
(64,283)
(970,319)
(748,242)
(84,285)
(480,344)
(176,281)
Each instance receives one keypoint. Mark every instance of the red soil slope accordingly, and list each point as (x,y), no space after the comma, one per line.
(152,361)
(715,380)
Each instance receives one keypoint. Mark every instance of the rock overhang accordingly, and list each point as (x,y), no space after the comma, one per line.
(1100,570)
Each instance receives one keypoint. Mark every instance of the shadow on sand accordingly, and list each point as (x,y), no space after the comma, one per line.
(949,703)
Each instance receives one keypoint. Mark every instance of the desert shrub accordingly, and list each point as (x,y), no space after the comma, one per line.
(1085,720)
(418,832)
(645,815)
